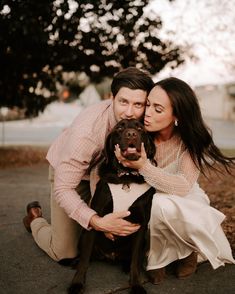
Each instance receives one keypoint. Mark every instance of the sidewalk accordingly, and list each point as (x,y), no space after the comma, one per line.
(25,268)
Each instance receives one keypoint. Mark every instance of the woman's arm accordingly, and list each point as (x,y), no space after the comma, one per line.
(179,183)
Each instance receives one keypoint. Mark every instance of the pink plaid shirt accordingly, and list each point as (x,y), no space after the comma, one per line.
(74,151)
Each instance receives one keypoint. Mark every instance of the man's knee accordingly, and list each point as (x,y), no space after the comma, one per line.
(63,252)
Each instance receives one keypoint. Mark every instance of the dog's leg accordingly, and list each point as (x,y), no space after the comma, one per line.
(100,203)
(78,283)
(136,262)
(140,213)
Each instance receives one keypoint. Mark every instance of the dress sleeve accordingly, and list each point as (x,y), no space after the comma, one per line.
(179,183)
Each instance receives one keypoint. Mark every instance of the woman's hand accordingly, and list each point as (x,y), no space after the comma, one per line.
(135,164)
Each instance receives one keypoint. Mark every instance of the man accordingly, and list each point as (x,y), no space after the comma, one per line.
(71,157)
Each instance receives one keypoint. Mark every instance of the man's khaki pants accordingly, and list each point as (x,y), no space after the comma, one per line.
(60,238)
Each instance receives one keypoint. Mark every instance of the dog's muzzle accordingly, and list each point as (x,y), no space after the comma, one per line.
(131,144)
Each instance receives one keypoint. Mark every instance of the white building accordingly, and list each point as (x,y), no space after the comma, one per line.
(217,101)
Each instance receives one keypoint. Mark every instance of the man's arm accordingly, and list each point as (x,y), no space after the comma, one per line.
(78,210)
(69,173)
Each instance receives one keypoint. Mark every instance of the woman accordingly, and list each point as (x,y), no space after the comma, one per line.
(183,225)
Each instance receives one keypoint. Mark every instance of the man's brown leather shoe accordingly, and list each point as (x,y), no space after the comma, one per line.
(157,276)
(187,266)
(33,210)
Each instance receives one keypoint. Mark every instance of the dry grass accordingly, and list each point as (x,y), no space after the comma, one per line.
(221,190)
(21,156)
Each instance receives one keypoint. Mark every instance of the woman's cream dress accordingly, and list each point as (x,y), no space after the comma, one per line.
(182,219)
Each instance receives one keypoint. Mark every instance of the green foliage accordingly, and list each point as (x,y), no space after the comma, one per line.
(41,39)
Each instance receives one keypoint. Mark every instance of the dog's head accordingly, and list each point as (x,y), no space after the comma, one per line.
(128,134)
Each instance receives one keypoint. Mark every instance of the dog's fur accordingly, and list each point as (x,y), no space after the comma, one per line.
(130,250)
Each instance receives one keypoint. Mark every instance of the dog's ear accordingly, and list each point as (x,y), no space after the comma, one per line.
(108,151)
(149,146)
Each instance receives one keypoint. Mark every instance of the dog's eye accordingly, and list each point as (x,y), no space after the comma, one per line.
(138,126)
(119,129)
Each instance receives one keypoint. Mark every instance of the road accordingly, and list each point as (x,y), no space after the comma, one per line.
(24,268)
(41,130)
(45,128)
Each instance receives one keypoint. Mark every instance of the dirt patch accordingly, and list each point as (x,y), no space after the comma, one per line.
(219,187)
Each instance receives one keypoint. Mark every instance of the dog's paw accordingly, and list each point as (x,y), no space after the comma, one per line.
(76,289)
(137,289)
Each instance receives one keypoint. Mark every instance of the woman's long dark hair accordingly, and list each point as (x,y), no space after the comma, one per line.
(192,129)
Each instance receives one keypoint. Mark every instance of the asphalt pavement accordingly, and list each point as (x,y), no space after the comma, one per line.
(24,268)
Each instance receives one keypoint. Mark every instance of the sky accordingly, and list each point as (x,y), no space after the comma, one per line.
(208,27)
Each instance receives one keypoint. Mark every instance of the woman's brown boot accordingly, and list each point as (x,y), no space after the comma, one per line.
(156,276)
(187,266)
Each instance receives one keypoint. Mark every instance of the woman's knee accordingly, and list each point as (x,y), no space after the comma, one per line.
(163,207)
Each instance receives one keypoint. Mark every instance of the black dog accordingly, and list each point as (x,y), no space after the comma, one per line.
(130,250)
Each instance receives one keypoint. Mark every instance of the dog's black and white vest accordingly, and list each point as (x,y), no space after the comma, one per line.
(123,197)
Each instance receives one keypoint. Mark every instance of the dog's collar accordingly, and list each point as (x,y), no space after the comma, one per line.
(127,173)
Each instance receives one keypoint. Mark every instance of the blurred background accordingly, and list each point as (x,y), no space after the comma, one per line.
(58,57)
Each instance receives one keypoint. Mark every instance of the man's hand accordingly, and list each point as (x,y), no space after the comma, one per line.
(114,223)
(110,236)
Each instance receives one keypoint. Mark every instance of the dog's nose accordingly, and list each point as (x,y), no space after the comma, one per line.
(131,134)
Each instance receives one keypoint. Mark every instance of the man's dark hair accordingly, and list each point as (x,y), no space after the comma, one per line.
(132,78)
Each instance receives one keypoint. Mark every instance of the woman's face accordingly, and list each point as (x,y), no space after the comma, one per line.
(159,112)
